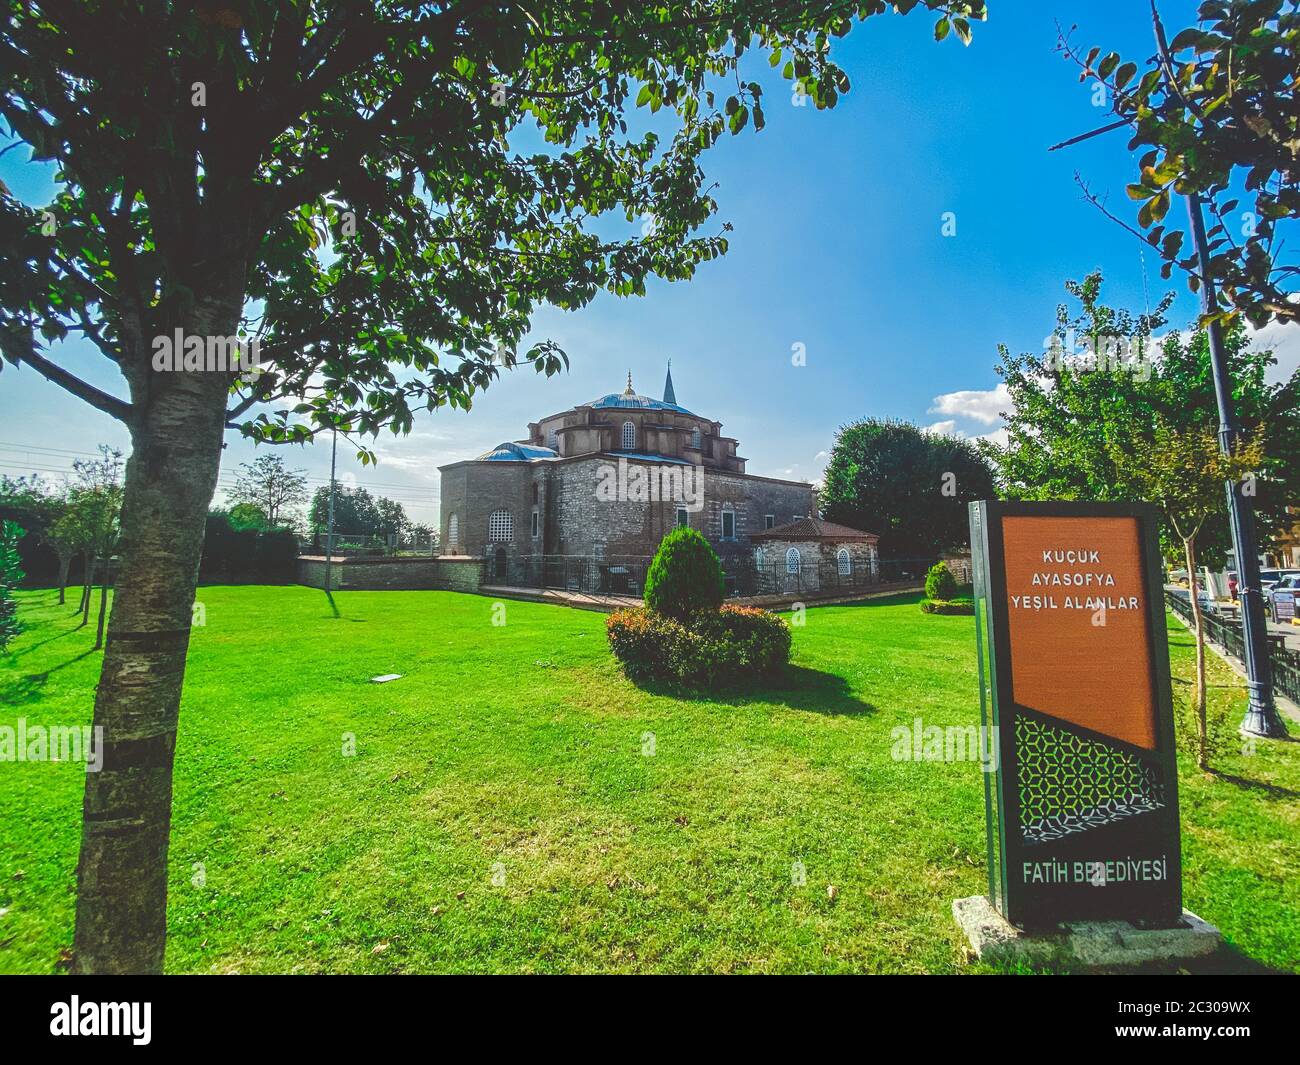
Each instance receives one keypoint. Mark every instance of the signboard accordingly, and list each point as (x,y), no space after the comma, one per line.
(1283,604)
(1074,684)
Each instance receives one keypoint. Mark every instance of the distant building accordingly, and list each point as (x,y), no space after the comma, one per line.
(811,554)
(607,480)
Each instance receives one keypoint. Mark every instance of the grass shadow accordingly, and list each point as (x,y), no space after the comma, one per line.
(800,688)
(1272,791)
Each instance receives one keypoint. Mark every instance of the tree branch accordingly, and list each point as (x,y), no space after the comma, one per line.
(20,351)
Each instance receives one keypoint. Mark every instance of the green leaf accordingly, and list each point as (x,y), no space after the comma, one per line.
(941,28)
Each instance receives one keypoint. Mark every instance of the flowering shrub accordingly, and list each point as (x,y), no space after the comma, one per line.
(710,649)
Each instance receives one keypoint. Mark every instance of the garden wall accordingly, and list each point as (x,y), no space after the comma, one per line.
(446,572)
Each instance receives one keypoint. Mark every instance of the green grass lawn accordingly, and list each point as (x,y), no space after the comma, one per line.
(499,813)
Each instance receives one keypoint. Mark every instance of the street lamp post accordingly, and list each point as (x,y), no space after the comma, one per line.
(1261,714)
(329,536)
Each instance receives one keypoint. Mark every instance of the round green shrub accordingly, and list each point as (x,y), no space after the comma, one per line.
(684,577)
(940,583)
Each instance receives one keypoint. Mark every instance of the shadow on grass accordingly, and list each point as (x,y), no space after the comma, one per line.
(22,690)
(29,648)
(800,688)
(899,599)
(1272,791)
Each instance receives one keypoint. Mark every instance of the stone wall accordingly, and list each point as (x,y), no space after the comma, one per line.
(575,519)
(394,574)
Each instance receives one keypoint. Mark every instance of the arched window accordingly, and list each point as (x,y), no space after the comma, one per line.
(845,562)
(501,526)
(629,436)
(553,440)
(453,533)
(792,560)
(695,438)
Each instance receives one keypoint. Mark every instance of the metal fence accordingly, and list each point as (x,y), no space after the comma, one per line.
(1227,635)
(625,575)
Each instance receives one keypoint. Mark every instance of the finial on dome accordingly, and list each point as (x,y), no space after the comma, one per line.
(629,391)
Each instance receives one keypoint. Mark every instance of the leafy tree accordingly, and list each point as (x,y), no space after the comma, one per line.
(11,575)
(38,507)
(1184,471)
(337,182)
(684,576)
(908,486)
(1107,377)
(1217,107)
(95,502)
(270,486)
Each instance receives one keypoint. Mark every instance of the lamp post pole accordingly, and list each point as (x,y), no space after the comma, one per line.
(329,536)
(1261,713)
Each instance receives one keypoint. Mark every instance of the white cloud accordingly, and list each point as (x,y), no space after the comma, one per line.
(981,405)
(1000,437)
(1285,341)
(948,428)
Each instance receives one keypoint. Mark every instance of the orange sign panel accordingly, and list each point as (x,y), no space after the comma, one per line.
(1076,602)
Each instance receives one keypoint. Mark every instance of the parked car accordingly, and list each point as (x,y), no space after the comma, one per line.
(1270,577)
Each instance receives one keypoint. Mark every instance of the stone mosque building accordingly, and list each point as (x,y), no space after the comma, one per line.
(606,480)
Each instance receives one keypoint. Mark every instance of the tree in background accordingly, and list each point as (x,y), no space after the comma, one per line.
(1183,471)
(38,507)
(96,502)
(11,575)
(357,513)
(337,182)
(269,485)
(908,486)
(1217,107)
(1107,377)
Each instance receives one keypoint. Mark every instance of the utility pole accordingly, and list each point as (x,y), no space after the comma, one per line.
(1261,713)
(329,536)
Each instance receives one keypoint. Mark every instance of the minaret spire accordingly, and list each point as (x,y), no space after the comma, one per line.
(669,395)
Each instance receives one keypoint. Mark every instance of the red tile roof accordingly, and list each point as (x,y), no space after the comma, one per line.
(813,529)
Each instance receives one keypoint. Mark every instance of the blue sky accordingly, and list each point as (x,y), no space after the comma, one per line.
(837,245)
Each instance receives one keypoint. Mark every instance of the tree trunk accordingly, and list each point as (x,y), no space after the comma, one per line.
(1202,729)
(65,564)
(88,591)
(103,606)
(170,479)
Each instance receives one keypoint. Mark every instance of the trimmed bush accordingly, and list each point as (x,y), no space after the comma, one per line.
(277,555)
(947,606)
(940,583)
(685,576)
(713,649)
(231,554)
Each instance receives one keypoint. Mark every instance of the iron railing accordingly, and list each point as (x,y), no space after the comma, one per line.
(1226,634)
